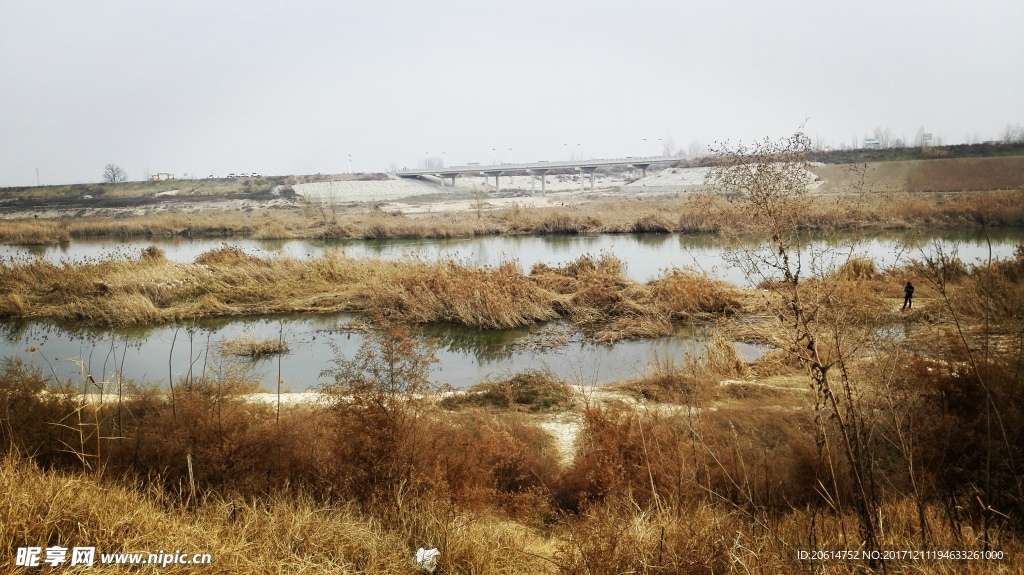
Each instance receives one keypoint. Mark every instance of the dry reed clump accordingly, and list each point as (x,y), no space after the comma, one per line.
(226,256)
(152,290)
(687,294)
(591,291)
(611,307)
(500,297)
(611,539)
(530,390)
(248,346)
(857,268)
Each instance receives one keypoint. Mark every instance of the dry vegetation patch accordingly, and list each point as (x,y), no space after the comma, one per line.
(531,390)
(592,292)
(248,346)
(885,208)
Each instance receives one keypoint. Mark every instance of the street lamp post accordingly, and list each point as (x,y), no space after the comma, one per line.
(567,158)
(645,148)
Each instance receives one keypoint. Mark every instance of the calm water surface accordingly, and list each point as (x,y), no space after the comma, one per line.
(646,255)
(466,356)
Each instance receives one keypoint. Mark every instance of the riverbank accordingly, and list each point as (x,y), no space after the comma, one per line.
(586,214)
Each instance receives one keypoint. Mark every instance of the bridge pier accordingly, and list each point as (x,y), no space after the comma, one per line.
(643,168)
(543,179)
(445,175)
(497,179)
(587,170)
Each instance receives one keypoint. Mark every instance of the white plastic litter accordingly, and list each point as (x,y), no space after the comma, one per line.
(427,559)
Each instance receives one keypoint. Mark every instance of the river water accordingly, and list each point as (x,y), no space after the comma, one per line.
(646,255)
(466,356)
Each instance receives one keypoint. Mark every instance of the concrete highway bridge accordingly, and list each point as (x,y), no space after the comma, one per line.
(535,169)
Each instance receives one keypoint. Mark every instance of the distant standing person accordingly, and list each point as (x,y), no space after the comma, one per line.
(908,296)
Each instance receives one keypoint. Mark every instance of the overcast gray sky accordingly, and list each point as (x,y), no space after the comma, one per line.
(294,87)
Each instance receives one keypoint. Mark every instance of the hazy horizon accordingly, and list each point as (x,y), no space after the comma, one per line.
(294,88)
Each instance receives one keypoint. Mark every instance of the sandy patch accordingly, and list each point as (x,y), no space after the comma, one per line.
(564,429)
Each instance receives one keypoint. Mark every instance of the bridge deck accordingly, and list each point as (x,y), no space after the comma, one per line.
(449,171)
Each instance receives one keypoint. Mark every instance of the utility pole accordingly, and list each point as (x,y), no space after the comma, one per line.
(37,177)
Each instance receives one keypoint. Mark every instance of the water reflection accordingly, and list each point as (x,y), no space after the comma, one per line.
(651,240)
(647,256)
(466,356)
(483,345)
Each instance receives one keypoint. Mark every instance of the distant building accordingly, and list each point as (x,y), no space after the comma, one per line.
(161,176)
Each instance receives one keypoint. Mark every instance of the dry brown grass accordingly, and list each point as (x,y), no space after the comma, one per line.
(226,281)
(354,487)
(282,533)
(708,539)
(882,209)
(297,534)
(531,390)
(248,346)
